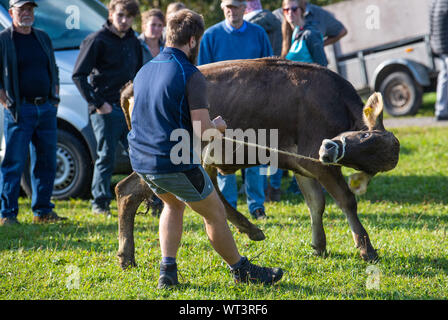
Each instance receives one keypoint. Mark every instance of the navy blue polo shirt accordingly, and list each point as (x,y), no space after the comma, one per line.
(161,106)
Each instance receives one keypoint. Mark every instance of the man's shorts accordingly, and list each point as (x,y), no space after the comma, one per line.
(188,186)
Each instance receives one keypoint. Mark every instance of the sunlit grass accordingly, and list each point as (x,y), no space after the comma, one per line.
(405,212)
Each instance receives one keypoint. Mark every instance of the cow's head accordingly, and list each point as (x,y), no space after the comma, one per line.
(371,151)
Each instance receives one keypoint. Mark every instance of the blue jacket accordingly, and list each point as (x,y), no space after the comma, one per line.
(160,107)
(9,79)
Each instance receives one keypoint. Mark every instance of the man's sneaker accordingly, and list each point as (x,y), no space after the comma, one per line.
(103,212)
(9,221)
(249,272)
(258,214)
(168,276)
(48,218)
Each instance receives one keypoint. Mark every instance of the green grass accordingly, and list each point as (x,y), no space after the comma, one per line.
(405,212)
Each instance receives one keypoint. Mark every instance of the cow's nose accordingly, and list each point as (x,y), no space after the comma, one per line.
(329,146)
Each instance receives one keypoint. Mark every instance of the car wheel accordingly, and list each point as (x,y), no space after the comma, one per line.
(402,94)
(73,170)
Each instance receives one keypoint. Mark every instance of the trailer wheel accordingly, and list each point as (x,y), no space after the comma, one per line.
(401,93)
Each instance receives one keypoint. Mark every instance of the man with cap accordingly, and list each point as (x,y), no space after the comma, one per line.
(30,109)
(232,39)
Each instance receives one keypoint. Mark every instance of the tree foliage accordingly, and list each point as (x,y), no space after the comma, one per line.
(210,9)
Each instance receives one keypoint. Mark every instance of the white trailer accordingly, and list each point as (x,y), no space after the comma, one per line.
(386,49)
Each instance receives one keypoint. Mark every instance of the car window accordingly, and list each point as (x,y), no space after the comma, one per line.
(67,22)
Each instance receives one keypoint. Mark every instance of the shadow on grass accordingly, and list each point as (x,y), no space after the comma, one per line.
(397,189)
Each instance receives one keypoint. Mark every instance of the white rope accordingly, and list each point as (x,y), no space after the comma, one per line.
(295,155)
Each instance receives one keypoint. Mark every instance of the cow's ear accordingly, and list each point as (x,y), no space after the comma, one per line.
(373,112)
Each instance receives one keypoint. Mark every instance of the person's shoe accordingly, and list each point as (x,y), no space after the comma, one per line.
(168,276)
(442,118)
(258,214)
(249,272)
(103,212)
(9,221)
(275,194)
(48,218)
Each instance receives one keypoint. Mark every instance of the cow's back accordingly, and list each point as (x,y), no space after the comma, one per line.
(306,103)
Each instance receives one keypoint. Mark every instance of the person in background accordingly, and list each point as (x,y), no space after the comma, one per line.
(264,18)
(439,44)
(110,58)
(29,93)
(330,27)
(301,42)
(153,23)
(170,9)
(170,94)
(174,7)
(235,38)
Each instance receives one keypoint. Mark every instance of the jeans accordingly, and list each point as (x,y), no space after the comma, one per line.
(441,108)
(35,132)
(109,129)
(254,186)
(276,179)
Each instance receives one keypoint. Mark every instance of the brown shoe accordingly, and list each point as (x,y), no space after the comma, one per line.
(8,221)
(48,218)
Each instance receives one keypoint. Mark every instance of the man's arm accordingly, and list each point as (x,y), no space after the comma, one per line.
(331,40)
(315,45)
(3,98)
(198,102)
(266,45)
(204,56)
(84,65)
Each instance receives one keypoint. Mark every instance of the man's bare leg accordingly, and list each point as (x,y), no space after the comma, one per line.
(213,212)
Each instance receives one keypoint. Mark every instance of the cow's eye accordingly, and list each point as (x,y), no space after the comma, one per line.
(366,135)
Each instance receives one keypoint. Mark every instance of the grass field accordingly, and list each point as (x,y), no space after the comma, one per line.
(405,212)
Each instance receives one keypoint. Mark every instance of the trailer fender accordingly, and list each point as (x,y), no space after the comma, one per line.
(418,71)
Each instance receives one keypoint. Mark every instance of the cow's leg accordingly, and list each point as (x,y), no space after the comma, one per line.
(315,199)
(234,216)
(345,199)
(130,193)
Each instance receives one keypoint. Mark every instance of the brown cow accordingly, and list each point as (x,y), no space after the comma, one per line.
(309,105)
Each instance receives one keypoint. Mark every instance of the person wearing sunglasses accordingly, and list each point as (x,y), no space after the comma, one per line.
(301,42)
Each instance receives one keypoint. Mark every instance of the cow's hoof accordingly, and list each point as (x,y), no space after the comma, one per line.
(319,252)
(369,255)
(256,235)
(126,263)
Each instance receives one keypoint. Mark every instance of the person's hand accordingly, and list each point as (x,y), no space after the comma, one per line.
(3,98)
(220,124)
(104,109)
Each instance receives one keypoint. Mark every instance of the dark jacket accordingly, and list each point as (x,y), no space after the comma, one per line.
(273,27)
(109,62)
(439,26)
(9,79)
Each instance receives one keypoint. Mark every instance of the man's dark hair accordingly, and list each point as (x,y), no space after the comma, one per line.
(182,25)
(131,6)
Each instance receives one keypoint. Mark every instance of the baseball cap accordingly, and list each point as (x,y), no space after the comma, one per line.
(236,3)
(19,3)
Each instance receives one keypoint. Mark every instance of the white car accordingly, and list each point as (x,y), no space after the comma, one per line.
(68,22)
